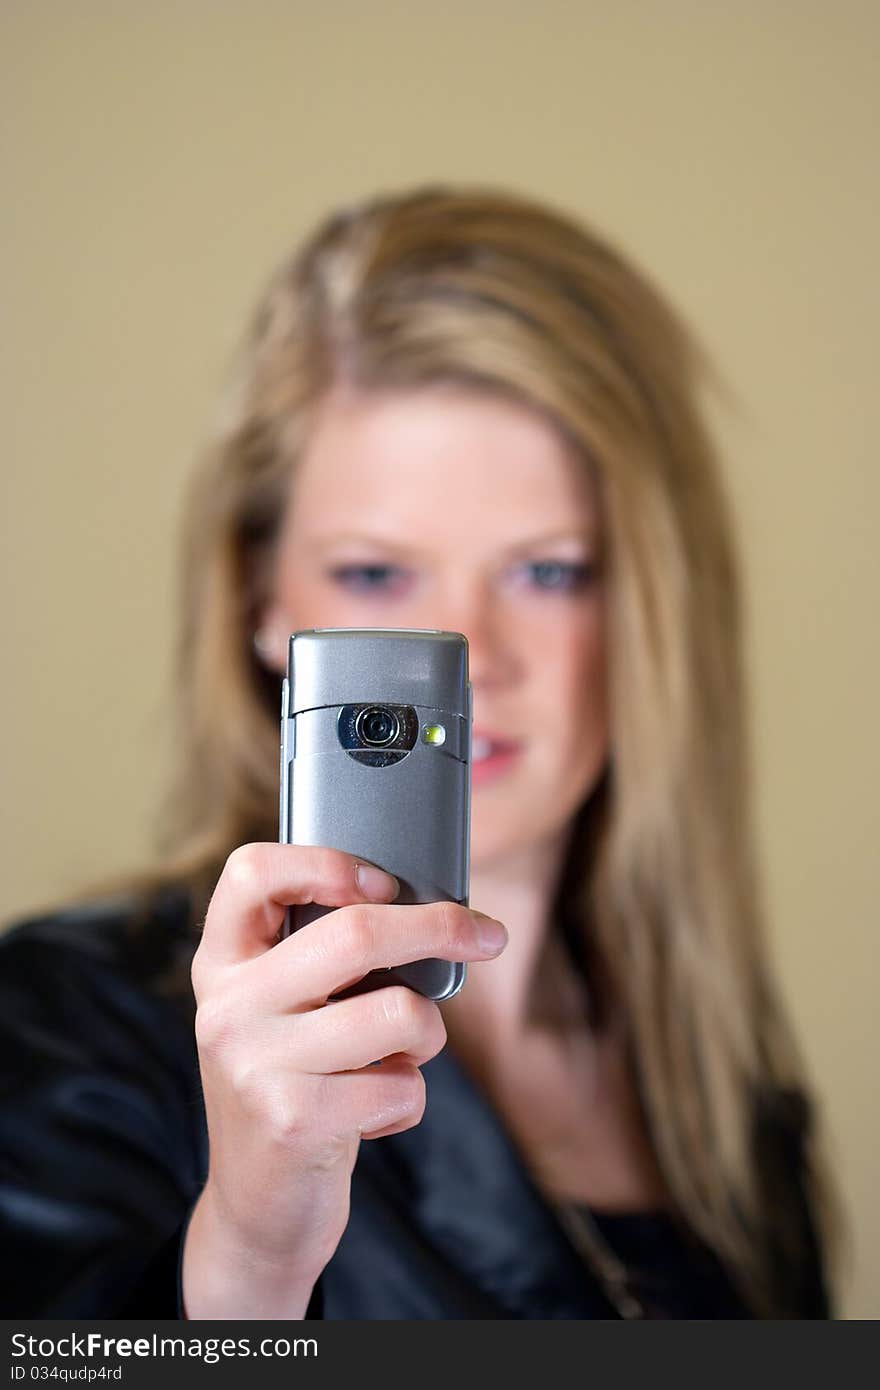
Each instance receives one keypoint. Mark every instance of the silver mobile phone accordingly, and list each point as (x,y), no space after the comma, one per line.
(376,760)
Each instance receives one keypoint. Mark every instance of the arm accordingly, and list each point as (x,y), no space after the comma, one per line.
(783,1133)
(100,1152)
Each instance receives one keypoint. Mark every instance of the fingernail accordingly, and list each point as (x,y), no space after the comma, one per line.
(375,883)
(491,934)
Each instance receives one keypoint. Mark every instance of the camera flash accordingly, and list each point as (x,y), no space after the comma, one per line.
(434,734)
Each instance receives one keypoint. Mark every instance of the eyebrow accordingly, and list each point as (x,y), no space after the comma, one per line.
(386,542)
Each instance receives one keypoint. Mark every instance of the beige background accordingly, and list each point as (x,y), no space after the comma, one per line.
(158,159)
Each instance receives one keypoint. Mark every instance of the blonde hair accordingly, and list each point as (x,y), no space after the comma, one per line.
(496,293)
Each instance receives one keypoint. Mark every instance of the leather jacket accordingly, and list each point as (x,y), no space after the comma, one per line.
(104,1150)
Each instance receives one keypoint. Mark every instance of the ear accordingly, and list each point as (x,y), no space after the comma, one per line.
(271,636)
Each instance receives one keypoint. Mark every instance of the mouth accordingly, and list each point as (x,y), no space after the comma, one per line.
(485,746)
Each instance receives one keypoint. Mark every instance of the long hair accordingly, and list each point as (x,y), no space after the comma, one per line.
(493,292)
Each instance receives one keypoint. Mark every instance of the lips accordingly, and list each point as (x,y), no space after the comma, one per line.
(486,745)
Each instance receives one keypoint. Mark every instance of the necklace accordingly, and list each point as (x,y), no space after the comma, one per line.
(611,1273)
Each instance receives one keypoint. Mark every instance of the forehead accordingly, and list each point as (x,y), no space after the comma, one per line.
(424,461)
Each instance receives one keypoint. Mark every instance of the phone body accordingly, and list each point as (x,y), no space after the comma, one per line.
(376,733)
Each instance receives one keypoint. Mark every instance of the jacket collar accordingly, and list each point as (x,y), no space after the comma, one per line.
(476,1201)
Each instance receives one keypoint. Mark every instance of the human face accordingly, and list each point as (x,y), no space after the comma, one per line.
(440,508)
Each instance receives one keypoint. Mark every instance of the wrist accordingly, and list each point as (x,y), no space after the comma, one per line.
(223,1275)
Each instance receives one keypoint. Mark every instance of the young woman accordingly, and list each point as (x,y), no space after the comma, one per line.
(453,409)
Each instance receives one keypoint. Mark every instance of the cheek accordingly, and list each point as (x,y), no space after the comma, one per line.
(575,683)
(308,601)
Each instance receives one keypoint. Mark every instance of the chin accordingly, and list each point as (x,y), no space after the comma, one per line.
(501,837)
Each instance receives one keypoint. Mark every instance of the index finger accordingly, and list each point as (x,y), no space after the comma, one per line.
(260,881)
(327,955)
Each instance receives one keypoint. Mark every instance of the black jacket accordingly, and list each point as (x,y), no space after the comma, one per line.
(103,1152)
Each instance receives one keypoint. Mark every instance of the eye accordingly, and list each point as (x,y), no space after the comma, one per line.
(561,575)
(364,578)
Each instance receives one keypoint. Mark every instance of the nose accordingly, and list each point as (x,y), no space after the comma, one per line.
(469,606)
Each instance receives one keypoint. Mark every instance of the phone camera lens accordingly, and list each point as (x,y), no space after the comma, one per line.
(378,726)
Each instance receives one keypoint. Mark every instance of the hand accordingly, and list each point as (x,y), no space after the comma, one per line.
(287,1077)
